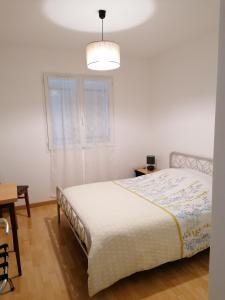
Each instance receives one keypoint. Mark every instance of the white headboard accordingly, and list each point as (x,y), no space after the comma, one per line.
(181,160)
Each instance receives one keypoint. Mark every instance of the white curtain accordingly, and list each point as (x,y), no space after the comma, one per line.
(80,130)
(99,149)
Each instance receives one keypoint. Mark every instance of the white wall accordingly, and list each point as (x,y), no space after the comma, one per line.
(217,257)
(182,97)
(161,105)
(24,157)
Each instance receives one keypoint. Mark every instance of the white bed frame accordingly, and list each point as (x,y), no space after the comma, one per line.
(177,160)
(201,164)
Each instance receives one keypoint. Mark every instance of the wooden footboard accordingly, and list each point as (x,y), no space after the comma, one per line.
(72,218)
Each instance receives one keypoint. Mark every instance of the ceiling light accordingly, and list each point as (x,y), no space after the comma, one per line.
(103,55)
(65,13)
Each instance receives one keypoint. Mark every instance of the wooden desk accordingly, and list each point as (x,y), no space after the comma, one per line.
(8,197)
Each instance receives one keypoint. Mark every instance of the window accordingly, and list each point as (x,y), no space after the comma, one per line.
(79,111)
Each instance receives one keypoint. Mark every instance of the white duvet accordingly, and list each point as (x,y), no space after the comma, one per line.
(139,223)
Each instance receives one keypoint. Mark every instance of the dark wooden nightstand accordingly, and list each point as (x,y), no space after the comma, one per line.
(143,171)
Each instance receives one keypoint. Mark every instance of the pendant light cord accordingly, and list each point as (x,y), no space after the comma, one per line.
(102,29)
(101,14)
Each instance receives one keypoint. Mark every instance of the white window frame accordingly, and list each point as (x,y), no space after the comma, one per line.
(80,78)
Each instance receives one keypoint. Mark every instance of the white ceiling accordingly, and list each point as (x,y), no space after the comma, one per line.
(142,31)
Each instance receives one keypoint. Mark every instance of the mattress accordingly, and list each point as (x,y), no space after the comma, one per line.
(139,223)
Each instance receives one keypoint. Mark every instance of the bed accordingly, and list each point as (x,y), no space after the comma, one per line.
(135,224)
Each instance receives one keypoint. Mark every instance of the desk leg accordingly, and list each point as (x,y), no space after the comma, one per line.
(15,237)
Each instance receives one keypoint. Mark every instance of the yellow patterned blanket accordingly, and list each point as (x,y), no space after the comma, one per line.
(186,196)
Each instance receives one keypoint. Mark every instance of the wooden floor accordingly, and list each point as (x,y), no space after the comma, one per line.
(54,267)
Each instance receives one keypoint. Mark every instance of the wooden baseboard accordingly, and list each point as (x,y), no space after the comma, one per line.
(37,204)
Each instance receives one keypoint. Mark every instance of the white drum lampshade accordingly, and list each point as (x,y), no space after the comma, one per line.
(103,55)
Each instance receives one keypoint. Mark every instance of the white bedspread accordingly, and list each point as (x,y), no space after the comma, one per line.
(134,226)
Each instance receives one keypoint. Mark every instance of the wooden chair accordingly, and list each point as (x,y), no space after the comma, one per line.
(22,193)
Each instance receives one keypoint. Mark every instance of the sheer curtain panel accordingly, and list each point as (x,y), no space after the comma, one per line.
(80,129)
(99,152)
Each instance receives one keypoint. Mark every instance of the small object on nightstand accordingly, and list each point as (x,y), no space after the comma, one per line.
(151,162)
(144,171)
